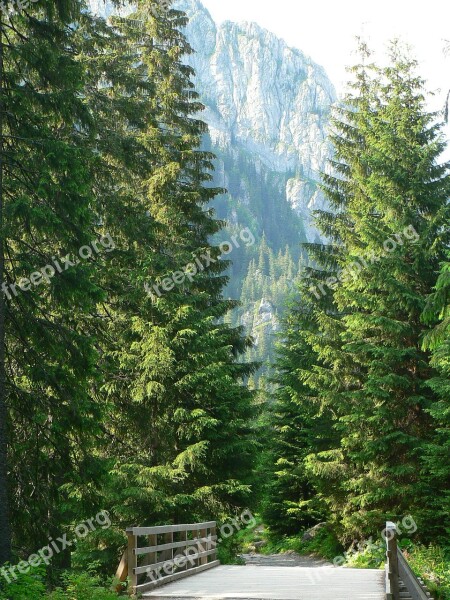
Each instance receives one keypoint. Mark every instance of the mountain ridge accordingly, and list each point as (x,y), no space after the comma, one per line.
(262,97)
(265,97)
(267,107)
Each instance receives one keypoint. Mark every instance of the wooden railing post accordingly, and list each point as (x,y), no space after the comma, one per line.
(153,556)
(150,558)
(167,555)
(213,543)
(203,546)
(132,561)
(167,559)
(392,574)
(179,554)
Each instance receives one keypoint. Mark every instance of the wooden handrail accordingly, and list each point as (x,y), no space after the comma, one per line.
(400,578)
(416,589)
(392,575)
(160,559)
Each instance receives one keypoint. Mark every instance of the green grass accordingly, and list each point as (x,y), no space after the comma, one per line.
(324,545)
(369,556)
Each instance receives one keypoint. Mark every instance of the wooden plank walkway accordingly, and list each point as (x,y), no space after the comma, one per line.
(276,583)
(179,562)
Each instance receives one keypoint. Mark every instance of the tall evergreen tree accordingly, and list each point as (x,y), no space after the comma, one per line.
(173,384)
(437,312)
(5,525)
(47,215)
(292,501)
(389,195)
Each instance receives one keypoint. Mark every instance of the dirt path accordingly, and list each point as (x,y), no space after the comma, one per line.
(288,559)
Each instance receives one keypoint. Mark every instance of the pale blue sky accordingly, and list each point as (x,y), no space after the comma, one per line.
(325,29)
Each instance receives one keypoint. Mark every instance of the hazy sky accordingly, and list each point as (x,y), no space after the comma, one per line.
(326,30)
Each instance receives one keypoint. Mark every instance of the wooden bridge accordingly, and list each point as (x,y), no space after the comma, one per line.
(180,562)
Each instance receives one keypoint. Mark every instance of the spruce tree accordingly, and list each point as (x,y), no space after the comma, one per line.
(5,525)
(47,215)
(292,501)
(105,384)
(173,384)
(388,195)
(437,468)
(395,196)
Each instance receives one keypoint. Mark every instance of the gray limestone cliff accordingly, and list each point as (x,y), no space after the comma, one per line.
(265,98)
(262,98)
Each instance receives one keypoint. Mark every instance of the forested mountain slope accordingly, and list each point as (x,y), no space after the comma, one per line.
(267,108)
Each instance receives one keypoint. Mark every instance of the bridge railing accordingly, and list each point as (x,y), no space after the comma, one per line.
(158,555)
(401,582)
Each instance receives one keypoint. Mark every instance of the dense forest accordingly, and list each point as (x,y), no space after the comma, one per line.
(128,392)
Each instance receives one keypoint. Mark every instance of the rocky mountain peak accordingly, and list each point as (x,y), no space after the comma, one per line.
(262,98)
(265,99)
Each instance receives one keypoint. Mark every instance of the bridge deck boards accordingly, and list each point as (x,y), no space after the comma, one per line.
(276,583)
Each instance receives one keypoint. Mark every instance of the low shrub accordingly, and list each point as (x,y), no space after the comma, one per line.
(82,587)
(29,586)
(432,564)
(74,586)
(324,544)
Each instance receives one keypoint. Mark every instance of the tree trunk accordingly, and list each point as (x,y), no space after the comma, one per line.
(5,528)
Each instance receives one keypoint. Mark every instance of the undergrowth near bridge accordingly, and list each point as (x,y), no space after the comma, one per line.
(429,562)
(432,563)
(80,586)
